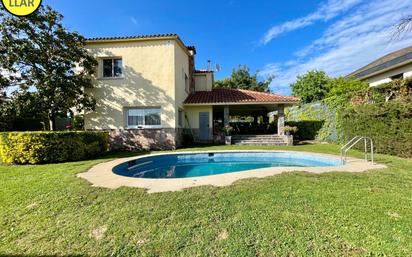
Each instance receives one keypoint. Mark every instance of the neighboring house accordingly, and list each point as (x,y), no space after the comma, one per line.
(148,93)
(396,65)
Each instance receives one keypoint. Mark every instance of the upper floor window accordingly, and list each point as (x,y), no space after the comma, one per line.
(112,68)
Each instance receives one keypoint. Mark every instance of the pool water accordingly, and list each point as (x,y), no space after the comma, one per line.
(205,164)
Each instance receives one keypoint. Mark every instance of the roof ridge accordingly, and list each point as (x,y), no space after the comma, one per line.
(134,36)
(235,95)
(259,92)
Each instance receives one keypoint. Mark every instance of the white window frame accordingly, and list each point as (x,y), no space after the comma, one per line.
(143,126)
(112,58)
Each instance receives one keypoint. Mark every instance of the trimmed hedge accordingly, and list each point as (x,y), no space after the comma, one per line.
(51,147)
(307,129)
(388,124)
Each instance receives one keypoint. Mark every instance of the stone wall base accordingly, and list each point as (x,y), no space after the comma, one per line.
(288,139)
(144,139)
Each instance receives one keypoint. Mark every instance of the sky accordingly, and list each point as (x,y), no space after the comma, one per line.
(276,38)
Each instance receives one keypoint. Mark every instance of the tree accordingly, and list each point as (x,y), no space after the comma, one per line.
(404,26)
(242,79)
(341,90)
(312,86)
(40,55)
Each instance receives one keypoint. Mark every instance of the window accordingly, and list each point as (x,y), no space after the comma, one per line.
(143,118)
(181,118)
(112,68)
(186,83)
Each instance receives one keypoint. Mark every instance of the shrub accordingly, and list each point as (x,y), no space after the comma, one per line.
(306,129)
(388,124)
(51,147)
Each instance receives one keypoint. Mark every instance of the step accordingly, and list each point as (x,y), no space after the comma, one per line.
(251,143)
(258,142)
(256,137)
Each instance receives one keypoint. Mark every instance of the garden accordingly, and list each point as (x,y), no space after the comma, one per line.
(48,211)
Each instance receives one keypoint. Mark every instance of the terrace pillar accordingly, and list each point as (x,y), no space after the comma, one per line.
(226,115)
(281,119)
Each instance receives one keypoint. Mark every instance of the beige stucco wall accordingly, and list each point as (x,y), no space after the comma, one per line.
(148,81)
(192,113)
(203,81)
(385,77)
(181,66)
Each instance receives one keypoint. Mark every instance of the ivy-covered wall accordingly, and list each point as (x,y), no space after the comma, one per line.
(324,125)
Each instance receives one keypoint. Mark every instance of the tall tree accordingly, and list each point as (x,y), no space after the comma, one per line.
(312,86)
(40,55)
(242,79)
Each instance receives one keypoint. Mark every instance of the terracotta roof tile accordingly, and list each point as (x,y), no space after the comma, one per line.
(225,95)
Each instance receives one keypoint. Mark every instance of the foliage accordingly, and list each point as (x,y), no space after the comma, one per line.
(308,118)
(341,90)
(50,147)
(227,130)
(288,128)
(78,122)
(335,95)
(38,53)
(306,129)
(312,86)
(388,124)
(46,210)
(242,79)
(396,90)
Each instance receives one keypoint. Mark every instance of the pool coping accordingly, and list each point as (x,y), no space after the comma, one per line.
(101,175)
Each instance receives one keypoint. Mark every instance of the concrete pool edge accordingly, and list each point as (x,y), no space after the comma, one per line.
(101,175)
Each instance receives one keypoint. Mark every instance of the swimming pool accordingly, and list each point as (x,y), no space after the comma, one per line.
(189,165)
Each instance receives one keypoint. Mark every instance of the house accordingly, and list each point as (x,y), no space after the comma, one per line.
(396,65)
(149,94)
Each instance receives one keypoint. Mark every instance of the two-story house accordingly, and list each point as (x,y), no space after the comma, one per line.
(148,92)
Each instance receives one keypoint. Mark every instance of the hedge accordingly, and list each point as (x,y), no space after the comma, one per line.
(388,124)
(51,147)
(307,129)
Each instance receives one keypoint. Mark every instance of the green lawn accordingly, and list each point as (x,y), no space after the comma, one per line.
(45,210)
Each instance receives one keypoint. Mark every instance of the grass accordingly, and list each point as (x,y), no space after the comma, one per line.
(47,211)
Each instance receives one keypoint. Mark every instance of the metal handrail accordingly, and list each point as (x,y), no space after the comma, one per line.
(355,140)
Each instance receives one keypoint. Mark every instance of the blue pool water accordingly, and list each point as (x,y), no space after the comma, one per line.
(205,164)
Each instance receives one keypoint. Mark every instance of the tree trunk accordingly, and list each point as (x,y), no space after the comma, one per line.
(52,121)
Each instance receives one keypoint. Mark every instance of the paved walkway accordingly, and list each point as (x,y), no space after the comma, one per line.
(101,175)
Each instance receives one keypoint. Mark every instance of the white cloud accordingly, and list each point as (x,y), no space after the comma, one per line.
(326,11)
(347,44)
